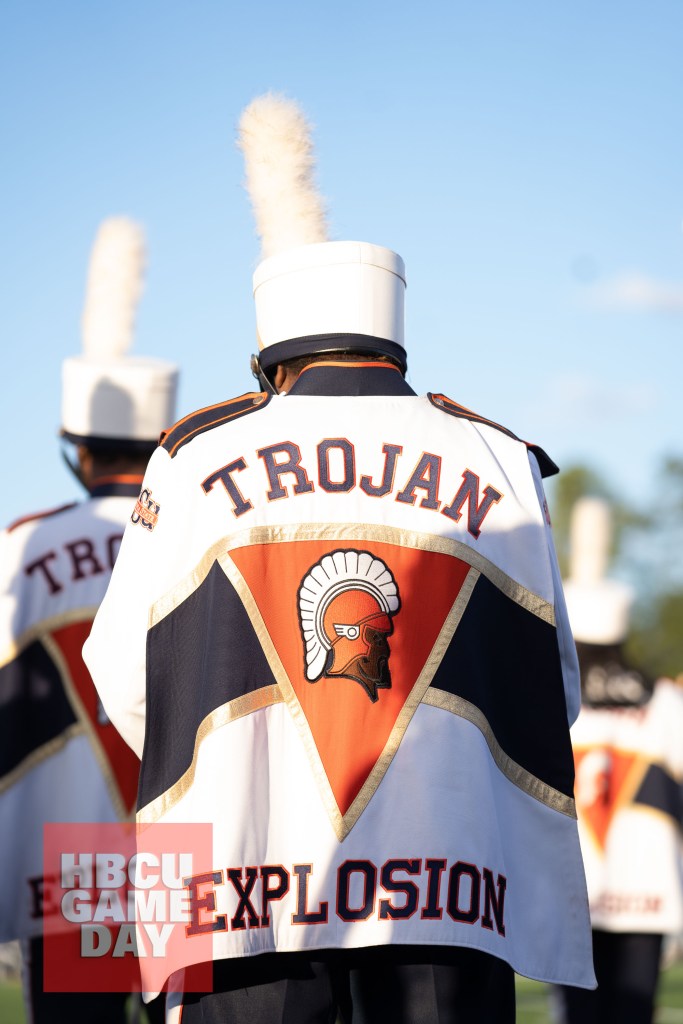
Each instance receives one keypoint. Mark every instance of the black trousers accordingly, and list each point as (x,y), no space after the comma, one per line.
(74,1007)
(68,1007)
(398,984)
(627,969)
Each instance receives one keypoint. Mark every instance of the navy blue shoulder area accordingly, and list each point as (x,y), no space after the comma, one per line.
(213,416)
(545,463)
(41,515)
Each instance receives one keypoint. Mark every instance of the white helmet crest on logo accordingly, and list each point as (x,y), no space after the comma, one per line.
(334,574)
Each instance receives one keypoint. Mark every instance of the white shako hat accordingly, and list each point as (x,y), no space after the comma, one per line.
(109,398)
(599,608)
(311,295)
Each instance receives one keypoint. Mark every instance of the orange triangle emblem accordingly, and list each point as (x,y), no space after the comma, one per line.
(354,631)
(606,780)
(118,763)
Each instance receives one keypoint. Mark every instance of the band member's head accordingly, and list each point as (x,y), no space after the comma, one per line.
(114,405)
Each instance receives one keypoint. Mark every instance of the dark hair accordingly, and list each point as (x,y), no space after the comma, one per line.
(111,447)
(608,679)
(301,362)
(115,456)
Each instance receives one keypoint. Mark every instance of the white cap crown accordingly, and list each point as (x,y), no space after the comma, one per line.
(131,399)
(330,288)
(107,394)
(599,609)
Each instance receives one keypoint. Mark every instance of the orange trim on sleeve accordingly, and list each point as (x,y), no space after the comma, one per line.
(40,515)
(208,408)
(212,423)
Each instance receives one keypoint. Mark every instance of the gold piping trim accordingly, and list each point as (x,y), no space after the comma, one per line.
(367,532)
(629,788)
(514,772)
(653,812)
(652,760)
(589,833)
(411,705)
(192,582)
(286,689)
(636,808)
(87,727)
(421,693)
(342,824)
(230,712)
(39,629)
(39,755)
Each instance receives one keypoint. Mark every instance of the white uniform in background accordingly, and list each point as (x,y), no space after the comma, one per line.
(628,745)
(628,751)
(629,774)
(61,760)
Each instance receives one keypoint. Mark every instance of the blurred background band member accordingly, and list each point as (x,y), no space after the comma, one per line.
(61,760)
(628,749)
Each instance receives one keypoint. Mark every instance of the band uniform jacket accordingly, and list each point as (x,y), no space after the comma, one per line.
(337,626)
(61,760)
(629,795)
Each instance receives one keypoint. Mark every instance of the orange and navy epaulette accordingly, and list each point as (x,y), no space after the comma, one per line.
(213,416)
(41,515)
(545,463)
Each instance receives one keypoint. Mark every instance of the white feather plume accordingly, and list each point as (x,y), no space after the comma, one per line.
(275,138)
(115,278)
(590,540)
(599,607)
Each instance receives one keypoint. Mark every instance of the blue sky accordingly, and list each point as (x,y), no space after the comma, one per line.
(524,158)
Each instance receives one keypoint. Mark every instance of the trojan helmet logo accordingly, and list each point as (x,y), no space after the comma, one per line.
(346,604)
(338,613)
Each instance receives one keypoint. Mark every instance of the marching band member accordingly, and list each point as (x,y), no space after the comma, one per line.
(629,767)
(61,760)
(344,644)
